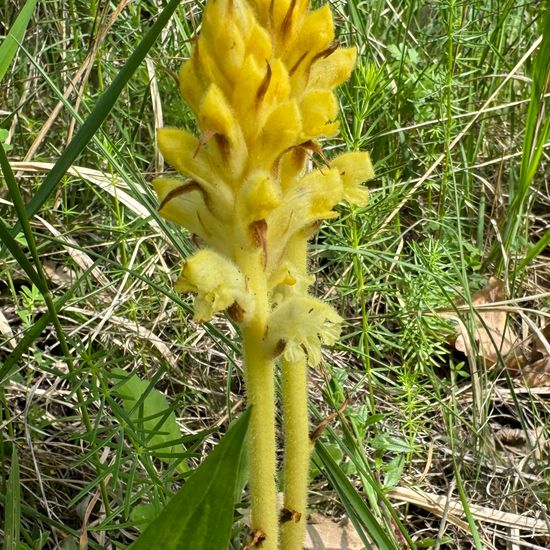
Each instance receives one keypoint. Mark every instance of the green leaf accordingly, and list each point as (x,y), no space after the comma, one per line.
(333,450)
(7,238)
(383,442)
(200,515)
(394,471)
(150,412)
(12,521)
(144,514)
(9,46)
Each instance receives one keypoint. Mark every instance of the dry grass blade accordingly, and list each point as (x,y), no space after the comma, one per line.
(79,257)
(157,111)
(106,182)
(79,79)
(437,504)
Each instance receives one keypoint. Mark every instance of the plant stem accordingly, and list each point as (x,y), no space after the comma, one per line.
(297,453)
(259,369)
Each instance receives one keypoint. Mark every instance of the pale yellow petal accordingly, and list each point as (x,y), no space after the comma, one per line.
(331,71)
(354,168)
(216,117)
(281,131)
(319,110)
(218,283)
(303,322)
(187,204)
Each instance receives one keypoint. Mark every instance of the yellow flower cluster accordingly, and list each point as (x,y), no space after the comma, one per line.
(261,83)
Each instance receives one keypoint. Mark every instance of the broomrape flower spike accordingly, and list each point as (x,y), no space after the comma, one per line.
(261,82)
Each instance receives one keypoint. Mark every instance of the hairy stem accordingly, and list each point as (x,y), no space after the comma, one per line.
(297,454)
(259,369)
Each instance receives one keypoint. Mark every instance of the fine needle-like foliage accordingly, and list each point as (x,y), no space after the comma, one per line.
(261,82)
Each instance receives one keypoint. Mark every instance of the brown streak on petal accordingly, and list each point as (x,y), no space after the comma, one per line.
(299,156)
(257,538)
(297,64)
(287,21)
(258,230)
(223,145)
(236,312)
(279,348)
(182,189)
(204,139)
(204,228)
(325,53)
(264,85)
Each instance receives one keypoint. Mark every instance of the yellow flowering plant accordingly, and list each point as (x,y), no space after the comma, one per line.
(261,82)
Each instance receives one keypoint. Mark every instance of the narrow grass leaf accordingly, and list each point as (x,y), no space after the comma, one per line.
(200,515)
(12,519)
(476,540)
(537,128)
(539,247)
(33,272)
(17,252)
(100,112)
(357,510)
(9,46)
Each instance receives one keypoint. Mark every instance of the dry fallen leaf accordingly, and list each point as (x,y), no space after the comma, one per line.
(493,336)
(534,369)
(325,534)
(520,442)
(59,274)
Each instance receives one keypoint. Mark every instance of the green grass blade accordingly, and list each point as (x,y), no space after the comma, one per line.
(9,46)
(21,258)
(33,272)
(536,133)
(100,112)
(356,508)
(467,512)
(13,506)
(535,250)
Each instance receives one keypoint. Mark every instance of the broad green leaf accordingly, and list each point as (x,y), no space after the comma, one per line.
(200,515)
(150,411)
(12,521)
(9,46)
(143,514)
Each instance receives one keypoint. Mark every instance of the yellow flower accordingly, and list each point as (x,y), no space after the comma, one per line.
(261,86)
(299,326)
(218,283)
